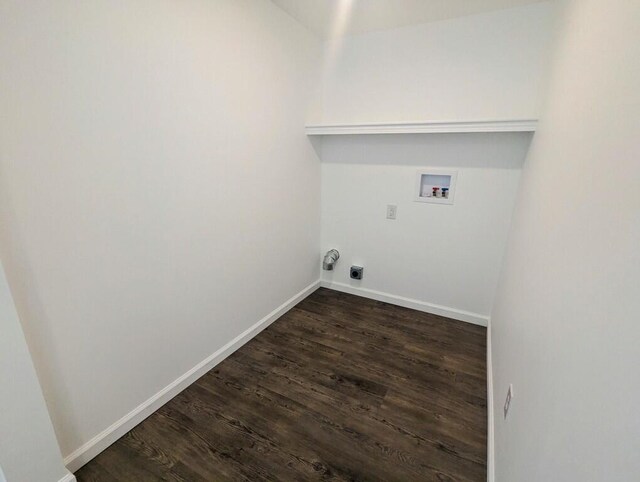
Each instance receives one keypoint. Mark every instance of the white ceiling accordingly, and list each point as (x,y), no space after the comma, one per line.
(367,15)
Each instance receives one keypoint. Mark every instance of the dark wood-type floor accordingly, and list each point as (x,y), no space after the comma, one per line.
(339,388)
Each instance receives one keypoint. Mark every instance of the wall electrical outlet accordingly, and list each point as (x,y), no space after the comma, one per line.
(356,272)
(392,210)
(507,402)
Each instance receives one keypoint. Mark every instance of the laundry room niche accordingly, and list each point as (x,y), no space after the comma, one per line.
(436,186)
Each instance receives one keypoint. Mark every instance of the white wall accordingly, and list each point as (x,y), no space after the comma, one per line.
(566,324)
(488,66)
(155,179)
(28,447)
(477,67)
(447,255)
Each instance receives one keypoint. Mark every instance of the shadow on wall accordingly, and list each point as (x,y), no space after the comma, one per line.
(487,150)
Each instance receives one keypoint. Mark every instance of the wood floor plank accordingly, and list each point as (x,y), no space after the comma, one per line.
(340,388)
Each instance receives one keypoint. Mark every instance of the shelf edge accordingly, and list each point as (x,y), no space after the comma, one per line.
(519,125)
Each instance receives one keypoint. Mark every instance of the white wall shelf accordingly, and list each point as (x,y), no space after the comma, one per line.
(520,125)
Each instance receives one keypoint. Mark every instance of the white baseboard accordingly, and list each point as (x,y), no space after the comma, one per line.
(434,309)
(491,475)
(68,478)
(108,436)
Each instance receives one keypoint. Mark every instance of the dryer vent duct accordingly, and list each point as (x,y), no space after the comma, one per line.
(330,259)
